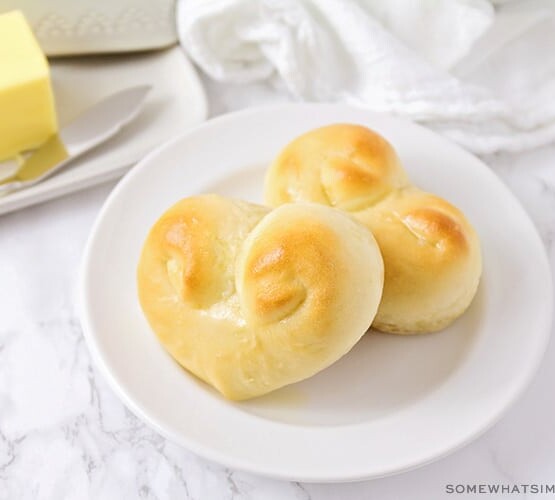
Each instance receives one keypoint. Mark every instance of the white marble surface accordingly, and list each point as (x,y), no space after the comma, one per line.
(64,434)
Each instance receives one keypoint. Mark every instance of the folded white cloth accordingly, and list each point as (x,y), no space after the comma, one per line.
(482,77)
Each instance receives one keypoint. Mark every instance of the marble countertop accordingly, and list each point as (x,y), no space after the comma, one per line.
(65,435)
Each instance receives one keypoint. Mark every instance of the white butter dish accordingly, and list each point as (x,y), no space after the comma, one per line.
(65,27)
(176,102)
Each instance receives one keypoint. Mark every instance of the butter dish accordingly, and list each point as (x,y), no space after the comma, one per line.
(176,102)
(98,124)
(69,27)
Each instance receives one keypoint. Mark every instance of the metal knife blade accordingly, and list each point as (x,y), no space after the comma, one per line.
(93,127)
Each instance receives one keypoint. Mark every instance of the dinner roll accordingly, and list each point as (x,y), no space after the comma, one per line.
(431,252)
(250,299)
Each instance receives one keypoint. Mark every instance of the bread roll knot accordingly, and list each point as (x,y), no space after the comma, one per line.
(250,299)
(431,252)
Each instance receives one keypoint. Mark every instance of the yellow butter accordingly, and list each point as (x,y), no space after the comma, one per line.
(27,113)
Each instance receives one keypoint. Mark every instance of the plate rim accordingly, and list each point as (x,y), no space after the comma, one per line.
(239,464)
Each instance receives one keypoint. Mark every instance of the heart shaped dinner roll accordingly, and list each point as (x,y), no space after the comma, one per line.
(431,252)
(249,299)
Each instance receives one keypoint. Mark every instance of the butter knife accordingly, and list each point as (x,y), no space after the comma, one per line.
(96,125)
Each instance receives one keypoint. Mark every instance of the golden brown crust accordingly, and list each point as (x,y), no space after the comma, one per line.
(280,278)
(431,258)
(196,256)
(431,252)
(250,300)
(339,165)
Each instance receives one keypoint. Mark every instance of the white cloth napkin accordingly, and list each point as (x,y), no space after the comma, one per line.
(481,76)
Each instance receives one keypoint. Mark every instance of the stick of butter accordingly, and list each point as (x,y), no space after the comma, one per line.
(27,113)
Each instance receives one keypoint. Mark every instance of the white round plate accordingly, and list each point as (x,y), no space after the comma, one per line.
(393,402)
